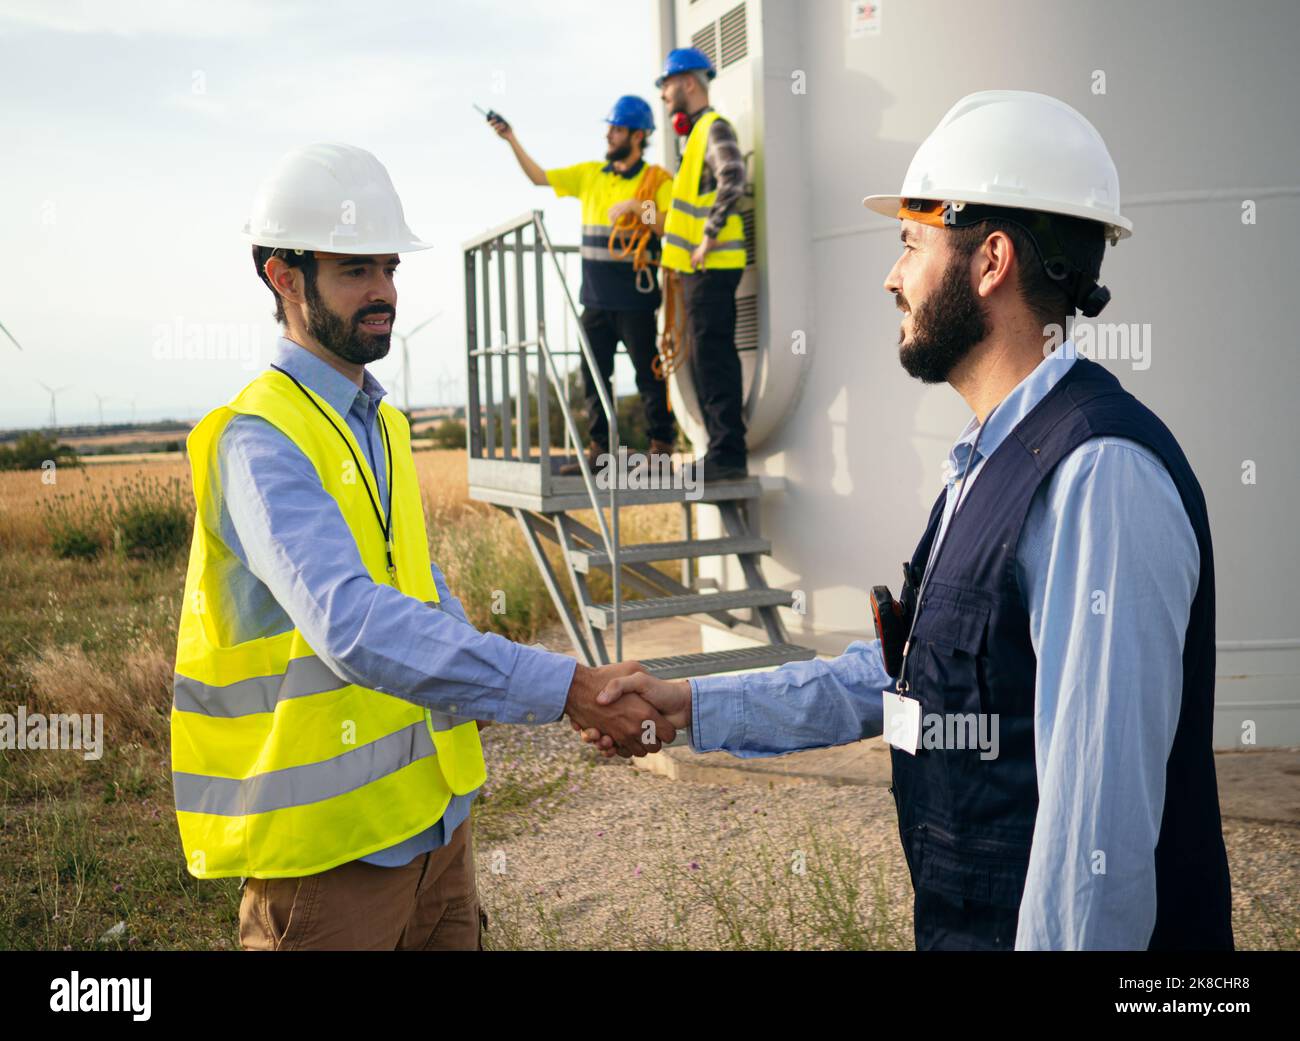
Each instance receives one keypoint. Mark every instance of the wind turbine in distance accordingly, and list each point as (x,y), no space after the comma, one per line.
(406,359)
(52,391)
(101,398)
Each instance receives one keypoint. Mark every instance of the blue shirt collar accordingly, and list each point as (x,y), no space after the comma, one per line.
(319,376)
(627,174)
(1011,410)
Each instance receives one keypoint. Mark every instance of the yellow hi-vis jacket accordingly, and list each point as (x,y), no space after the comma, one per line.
(684,229)
(280,767)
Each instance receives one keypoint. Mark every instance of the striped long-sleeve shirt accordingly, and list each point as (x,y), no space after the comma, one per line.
(724,168)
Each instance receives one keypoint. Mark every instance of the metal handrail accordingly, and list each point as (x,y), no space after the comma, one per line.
(608,533)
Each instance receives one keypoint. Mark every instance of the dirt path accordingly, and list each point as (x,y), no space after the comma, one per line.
(615,857)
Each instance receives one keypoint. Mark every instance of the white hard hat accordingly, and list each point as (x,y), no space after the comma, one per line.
(1019,149)
(333,198)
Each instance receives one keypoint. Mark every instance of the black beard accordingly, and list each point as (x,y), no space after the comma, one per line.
(349,342)
(619,152)
(945,328)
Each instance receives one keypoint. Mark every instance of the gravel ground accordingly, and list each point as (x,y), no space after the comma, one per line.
(575,851)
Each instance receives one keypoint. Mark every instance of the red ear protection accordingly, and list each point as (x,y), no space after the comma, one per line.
(681,123)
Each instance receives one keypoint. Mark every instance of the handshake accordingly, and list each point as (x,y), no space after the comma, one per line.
(625,711)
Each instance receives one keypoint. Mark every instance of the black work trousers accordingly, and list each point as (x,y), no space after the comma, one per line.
(638,331)
(709,298)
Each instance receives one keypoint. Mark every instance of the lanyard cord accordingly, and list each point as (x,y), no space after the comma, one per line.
(385,525)
(933,557)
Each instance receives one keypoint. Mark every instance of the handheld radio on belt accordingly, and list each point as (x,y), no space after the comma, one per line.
(893,619)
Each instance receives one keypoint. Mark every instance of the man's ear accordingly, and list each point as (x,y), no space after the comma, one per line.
(996,257)
(286,280)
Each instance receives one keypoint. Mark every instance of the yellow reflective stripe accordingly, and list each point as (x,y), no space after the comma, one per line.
(302,677)
(689,209)
(305,840)
(308,729)
(299,785)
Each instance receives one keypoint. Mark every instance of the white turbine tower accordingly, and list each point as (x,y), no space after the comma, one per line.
(100,399)
(53,391)
(406,359)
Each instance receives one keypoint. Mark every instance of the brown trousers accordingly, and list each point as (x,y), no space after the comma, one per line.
(431,904)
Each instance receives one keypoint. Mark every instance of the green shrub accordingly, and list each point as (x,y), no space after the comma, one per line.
(77,524)
(33,449)
(450,433)
(150,518)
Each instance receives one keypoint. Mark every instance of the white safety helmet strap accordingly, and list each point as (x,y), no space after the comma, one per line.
(1043,229)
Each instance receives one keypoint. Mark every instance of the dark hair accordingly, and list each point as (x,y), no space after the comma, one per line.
(1083,241)
(306,261)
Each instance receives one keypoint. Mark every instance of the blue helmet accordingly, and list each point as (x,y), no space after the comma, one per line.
(631,112)
(685,59)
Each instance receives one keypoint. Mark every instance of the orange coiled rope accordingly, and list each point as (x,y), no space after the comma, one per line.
(630,237)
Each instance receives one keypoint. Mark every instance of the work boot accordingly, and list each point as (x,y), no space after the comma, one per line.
(708,470)
(574,469)
(658,448)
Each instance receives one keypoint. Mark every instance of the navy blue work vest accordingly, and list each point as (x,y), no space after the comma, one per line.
(966,823)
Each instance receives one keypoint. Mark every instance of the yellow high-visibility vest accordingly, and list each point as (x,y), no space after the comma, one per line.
(279,766)
(684,230)
(598,190)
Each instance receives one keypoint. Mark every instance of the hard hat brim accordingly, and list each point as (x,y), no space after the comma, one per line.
(711,73)
(1119,227)
(372,249)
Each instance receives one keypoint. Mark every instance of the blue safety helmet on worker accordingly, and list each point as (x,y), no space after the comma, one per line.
(632,112)
(686,59)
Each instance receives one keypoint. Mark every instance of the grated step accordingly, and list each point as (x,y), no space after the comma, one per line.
(602,615)
(710,662)
(646,552)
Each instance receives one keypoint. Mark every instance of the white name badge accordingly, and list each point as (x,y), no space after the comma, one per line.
(902,722)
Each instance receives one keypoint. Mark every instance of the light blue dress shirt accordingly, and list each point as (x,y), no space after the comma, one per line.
(1109,523)
(301,567)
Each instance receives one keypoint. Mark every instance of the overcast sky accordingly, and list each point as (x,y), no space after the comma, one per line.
(134,134)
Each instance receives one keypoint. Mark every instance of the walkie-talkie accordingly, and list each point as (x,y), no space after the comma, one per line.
(491,116)
(893,619)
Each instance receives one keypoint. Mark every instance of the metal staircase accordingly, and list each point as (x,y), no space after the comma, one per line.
(508,271)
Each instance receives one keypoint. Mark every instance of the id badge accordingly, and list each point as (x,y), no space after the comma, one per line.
(902,721)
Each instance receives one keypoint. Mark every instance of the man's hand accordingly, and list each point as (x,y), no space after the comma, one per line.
(501,127)
(630,726)
(701,251)
(670,697)
(620,208)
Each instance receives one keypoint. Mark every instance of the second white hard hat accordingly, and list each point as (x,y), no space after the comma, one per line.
(1015,148)
(330,197)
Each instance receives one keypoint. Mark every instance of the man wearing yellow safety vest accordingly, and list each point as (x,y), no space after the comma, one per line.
(325,747)
(704,241)
(624,204)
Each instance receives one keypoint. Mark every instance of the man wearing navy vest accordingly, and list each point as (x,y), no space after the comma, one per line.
(1063,589)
